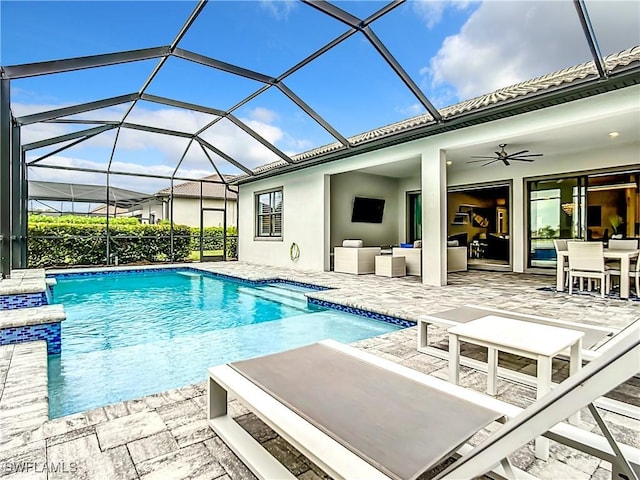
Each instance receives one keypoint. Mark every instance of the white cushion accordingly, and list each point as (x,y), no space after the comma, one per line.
(352,243)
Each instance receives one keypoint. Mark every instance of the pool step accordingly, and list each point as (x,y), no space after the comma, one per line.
(299,303)
(283,291)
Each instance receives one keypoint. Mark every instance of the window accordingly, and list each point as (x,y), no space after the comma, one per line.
(269,214)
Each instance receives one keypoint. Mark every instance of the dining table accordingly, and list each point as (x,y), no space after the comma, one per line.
(623,256)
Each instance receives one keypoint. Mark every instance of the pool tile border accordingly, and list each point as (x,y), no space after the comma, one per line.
(23,300)
(401,322)
(49,332)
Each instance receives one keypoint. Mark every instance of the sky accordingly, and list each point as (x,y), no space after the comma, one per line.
(453,50)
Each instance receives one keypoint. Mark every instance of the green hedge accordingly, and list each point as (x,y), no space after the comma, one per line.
(82,219)
(65,244)
(213,239)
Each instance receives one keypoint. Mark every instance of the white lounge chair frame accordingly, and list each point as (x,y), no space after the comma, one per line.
(544,417)
(588,354)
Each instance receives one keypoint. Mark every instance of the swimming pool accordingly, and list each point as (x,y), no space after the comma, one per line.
(135,334)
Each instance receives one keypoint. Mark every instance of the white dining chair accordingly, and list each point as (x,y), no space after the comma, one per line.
(620,244)
(586,260)
(623,244)
(560,246)
(634,273)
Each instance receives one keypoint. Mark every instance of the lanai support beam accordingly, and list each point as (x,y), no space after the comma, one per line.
(590,36)
(5,178)
(80,63)
(18,204)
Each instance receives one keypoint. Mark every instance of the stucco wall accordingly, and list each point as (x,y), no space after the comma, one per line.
(346,186)
(302,222)
(186,211)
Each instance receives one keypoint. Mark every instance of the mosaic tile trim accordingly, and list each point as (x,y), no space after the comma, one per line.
(115,272)
(364,313)
(299,284)
(23,300)
(50,332)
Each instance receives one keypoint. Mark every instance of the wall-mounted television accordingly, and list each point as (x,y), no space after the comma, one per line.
(367,210)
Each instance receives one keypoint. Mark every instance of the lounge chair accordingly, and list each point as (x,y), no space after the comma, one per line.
(595,341)
(359,416)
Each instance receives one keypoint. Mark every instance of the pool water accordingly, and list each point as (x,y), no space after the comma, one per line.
(131,335)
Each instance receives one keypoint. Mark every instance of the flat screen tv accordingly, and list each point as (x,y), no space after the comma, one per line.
(367,210)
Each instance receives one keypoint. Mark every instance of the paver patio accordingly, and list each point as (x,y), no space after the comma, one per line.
(166,435)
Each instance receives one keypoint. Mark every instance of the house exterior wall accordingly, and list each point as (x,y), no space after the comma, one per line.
(346,186)
(308,213)
(186,211)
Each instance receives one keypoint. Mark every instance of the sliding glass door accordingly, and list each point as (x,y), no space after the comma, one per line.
(591,207)
(556,210)
(414,201)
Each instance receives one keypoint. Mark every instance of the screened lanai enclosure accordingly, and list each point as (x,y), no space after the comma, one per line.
(177,103)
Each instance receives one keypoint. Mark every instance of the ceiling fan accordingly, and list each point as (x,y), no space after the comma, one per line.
(521,156)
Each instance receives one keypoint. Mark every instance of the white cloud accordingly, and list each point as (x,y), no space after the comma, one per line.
(432,11)
(147,150)
(503,43)
(138,184)
(261,114)
(279,9)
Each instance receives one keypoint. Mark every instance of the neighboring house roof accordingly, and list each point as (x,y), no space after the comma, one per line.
(112,210)
(209,190)
(539,87)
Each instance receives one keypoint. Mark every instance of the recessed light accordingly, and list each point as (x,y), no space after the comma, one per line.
(449,162)
(614,134)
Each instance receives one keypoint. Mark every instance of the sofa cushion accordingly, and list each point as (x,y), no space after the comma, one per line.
(352,243)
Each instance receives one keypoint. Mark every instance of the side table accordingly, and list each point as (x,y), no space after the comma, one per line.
(391,266)
(532,340)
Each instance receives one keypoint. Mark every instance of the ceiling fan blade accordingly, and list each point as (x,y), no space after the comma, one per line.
(492,161)
(522,159)
(484,160)
(517,153)
(475,156)
(505,162)
(527,155)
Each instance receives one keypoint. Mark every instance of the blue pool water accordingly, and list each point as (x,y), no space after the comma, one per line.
(135,334)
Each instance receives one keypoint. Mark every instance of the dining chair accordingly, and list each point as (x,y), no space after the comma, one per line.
(620,244)
(586,260)
(561,245)
(634,272)
(623,244)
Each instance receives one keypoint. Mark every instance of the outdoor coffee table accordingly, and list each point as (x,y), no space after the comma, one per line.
(530,340)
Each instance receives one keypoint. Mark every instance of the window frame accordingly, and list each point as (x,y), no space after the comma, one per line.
(271,236)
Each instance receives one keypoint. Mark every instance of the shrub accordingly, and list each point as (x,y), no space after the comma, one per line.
(81,219)
(65,244)
(213,239)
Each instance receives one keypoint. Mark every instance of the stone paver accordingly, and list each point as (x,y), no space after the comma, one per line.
(165,436)
(193,462)
(128,428)
(83,458)
(24,404)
